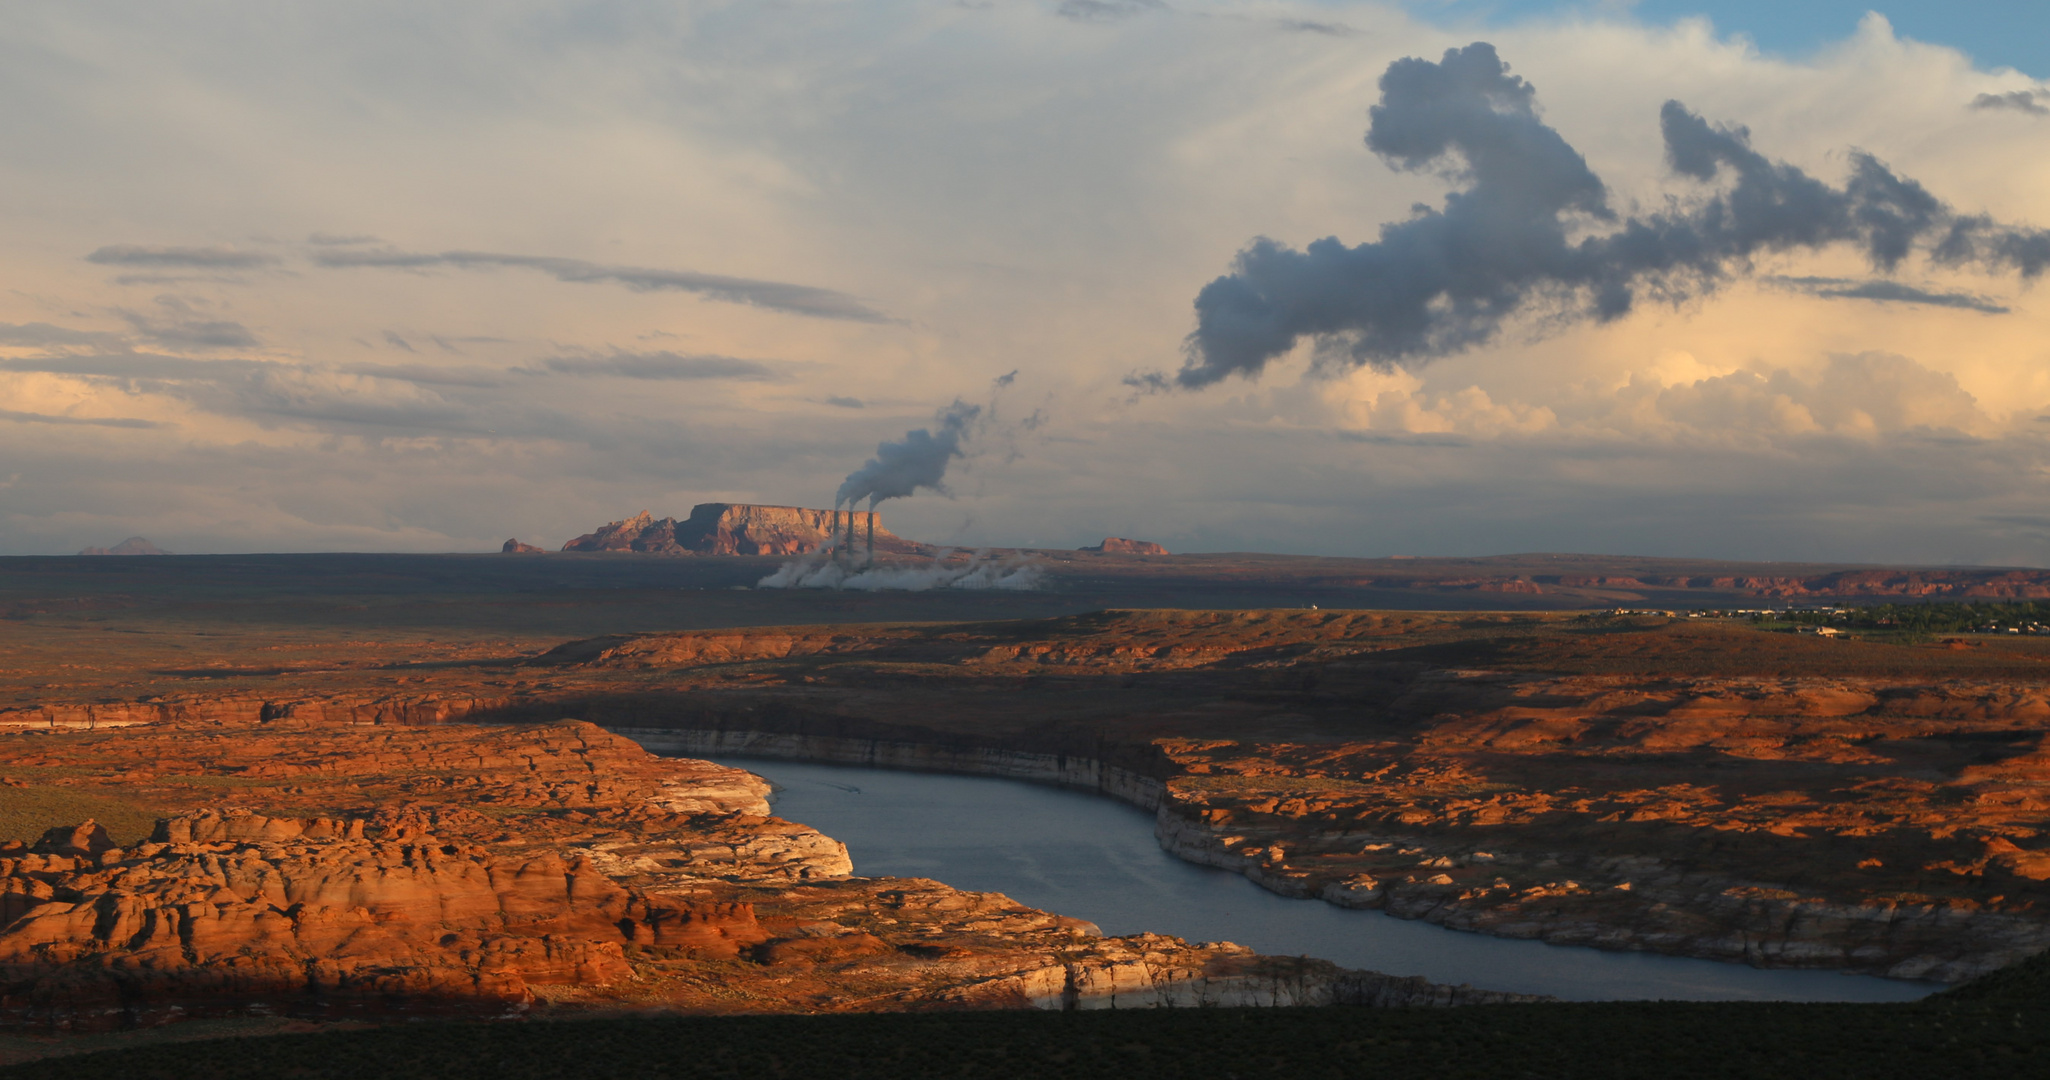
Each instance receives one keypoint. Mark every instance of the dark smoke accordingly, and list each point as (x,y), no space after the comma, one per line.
(918,460)
(1532,225)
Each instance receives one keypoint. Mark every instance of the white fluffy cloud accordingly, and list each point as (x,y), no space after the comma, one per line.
(389,276)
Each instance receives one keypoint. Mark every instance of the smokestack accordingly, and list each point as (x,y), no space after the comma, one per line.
(871,536)
(833,533)
(850,536)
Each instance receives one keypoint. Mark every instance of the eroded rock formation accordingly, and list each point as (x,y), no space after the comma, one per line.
(466,870)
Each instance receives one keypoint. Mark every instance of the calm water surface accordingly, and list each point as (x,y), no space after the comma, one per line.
(1090,857)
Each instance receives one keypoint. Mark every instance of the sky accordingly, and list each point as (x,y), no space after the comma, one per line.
(1315,277)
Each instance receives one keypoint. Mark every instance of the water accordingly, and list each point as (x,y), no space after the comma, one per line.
(1094,858)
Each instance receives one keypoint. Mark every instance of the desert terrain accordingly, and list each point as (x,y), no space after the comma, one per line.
(365,787)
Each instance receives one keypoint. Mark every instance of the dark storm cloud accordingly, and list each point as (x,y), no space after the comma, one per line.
(661,365)
(774,295)
(1531,226)
(193,258)
(1885,291)
(2018,100)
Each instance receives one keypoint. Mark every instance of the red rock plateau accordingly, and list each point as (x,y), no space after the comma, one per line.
(739,529)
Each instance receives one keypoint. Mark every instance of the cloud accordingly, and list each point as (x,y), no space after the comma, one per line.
(1308,26)
(44,335)
(2017,100)
(195,258)
(183,333)
(426,375)
(773,295)
(392,339)
(334,240)
(1532,227)
(88,421)
(1885,291)
(1106,10)
(662,365)
(845,402)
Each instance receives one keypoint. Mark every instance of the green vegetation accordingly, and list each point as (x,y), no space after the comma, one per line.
(1672,1041)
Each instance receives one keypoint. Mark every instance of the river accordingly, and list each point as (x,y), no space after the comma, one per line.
(1090,857)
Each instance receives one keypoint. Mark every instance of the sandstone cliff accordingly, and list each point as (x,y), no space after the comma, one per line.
(514,547)
(742,529)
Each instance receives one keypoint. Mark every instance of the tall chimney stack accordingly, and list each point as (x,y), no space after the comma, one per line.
(871,536)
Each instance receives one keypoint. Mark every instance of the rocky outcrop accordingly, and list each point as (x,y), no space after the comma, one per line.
(514,547)
(744,529)
(1117,545)
(134,545)
(233,912)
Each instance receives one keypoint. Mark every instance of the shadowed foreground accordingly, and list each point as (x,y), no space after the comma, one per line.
(1673,1041)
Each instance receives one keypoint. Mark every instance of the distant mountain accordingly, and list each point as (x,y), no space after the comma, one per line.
(134,545)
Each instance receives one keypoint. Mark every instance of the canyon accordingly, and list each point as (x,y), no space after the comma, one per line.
(402,871)
(320,799)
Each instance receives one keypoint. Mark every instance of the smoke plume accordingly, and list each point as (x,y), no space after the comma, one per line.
(918,460)
(1532,226)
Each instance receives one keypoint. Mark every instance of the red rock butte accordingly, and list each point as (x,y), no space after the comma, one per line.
(743,529)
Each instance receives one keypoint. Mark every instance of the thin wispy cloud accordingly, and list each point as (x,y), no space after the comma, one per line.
(1106,10)
(44,335)
(12,416)
(660,366)
(193,258)
(188,333)
(773,295)
(1834,288)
